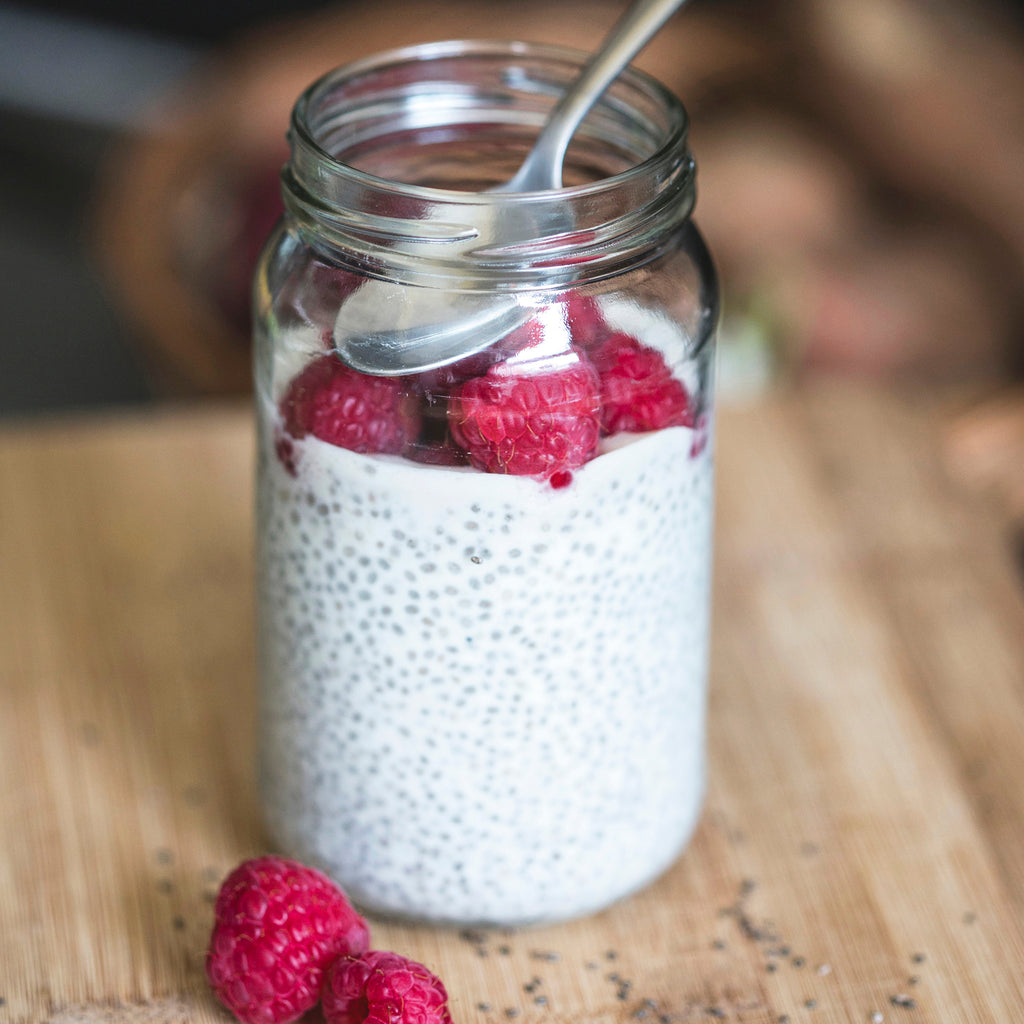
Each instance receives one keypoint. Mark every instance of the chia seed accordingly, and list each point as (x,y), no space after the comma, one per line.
(904,1001)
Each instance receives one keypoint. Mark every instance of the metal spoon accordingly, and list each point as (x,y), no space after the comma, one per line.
(390,329)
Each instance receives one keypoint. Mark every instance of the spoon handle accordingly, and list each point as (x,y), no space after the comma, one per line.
(542,169)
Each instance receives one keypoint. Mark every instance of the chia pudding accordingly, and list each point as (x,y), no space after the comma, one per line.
(484,696)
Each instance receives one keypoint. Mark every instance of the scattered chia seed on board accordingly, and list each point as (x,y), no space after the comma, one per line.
(164,855)
(90,734)
(904,1001)
(763,932)
(194,796)
(918,958)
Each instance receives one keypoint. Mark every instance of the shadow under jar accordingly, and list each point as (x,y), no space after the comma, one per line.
(484,588)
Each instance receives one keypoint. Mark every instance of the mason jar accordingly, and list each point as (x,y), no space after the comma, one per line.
(484,586)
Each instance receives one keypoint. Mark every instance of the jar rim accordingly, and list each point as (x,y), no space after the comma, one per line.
(673,142)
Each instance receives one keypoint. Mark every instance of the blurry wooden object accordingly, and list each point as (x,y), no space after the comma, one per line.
(932,95)
(170,204)
(862,849)
(985,449)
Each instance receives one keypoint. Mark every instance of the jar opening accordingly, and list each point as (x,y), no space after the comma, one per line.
(393,157)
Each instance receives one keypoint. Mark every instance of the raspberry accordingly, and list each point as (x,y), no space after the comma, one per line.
(350,409)
(638,391)
(383,988)
(277,927)
(586,321)
(538,424)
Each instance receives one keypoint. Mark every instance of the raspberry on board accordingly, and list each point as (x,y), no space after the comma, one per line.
(350,409)
(383,988)
(528,424)
(278,925)
(638,390)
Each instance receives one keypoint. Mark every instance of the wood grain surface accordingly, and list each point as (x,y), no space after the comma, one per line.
(862,847)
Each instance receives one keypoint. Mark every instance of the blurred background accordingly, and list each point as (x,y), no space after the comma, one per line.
(859,174)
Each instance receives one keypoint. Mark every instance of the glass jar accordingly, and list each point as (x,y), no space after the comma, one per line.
(484,588)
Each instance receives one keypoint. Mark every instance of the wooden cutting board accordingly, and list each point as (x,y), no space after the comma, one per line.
(862,848)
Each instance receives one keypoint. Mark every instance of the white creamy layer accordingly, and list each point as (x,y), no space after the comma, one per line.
(483,699)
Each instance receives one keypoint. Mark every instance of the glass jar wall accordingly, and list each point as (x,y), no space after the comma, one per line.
(484,586)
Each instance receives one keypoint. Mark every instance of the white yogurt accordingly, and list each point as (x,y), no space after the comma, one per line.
(483,699)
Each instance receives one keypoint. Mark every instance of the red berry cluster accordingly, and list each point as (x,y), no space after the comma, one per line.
(501,411)
(286,937)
